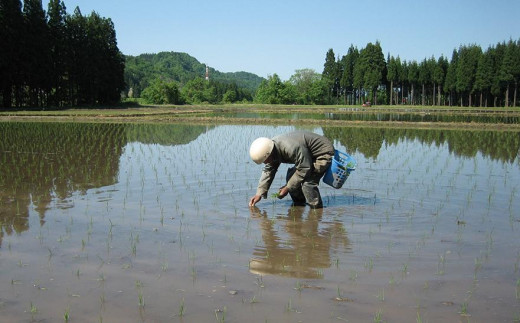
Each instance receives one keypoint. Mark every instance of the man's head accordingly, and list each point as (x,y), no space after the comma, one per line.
(261,149)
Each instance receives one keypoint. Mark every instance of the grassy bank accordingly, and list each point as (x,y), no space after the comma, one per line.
(237,114)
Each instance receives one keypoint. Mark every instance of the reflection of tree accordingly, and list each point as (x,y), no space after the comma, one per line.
(163,134)
(40,162)
(500,145)
(302,249)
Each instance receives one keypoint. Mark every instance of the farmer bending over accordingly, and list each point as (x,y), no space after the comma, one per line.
(311,155)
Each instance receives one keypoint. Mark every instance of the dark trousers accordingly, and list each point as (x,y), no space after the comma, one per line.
(309,192)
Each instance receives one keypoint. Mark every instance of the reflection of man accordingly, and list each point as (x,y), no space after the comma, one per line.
(311,155)
(301,249)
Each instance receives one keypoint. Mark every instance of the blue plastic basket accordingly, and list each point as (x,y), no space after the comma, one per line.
(339,170)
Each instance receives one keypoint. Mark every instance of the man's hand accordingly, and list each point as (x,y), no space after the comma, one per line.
(255,199)
(283,192)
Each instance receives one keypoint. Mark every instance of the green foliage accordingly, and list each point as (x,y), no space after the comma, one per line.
(57,59)
(161,92)
(347,79)
(142,70)
(308,87)
(200,90)
(274,91)
(365,75)
(466,68)
(332,73)
(11,35)
(497,145)
(484,74)
(368,71)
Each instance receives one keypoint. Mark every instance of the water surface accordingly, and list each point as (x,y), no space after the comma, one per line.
(150,223)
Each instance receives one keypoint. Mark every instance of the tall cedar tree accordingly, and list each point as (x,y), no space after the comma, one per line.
(57,59)
(11,34)
(36,56)
(347,79)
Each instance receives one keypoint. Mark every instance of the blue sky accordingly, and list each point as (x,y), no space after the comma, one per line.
(281,36)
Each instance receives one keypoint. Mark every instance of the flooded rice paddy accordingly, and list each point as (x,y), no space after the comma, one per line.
(364,115)
(150,223)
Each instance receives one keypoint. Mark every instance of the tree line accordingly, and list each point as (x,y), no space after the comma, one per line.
(195,91)
(56,59)
(177,78)
(472,77)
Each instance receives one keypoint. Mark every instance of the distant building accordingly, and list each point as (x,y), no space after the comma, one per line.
(207,73)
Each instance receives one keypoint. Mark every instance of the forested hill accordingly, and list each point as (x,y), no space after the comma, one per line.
(141,70)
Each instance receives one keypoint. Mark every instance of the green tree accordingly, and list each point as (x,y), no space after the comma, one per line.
(161,92)
(404,81)
(77,60)
(497,87)
(510,70)
(36,54)
(347,78)
(304,83)
(484,76)
(270,90)
(11,35)
(57,43)
(450,82)
(329,73)
(230,96)
(370,66)
(107,61)
(413,79)
(358,78)
(394,76)
(466,70)
(425,73)
(439,74)
(193,91)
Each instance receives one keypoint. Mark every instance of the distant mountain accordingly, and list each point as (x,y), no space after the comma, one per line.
(180,67)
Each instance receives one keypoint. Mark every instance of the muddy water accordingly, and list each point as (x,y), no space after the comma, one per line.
(150,223)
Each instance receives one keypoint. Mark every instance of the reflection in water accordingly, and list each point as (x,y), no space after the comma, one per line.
(45,163)
(296,245)
(482,117)
(499,145)
(42,162)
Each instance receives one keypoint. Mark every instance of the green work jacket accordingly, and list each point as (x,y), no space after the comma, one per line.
(298,148)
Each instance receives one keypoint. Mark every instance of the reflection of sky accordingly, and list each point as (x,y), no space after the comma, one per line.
(185,208)
(214,171)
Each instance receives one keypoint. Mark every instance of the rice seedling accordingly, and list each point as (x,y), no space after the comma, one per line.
(353,275)
(369,264)
(66,315)
(288,306)
(102,300)
(381,295)
(33,309)
(441,265)
(463,309)
(517,291)
(222,317)
(140,297)
(182,308)
(404,270)
(392,280)
(298,286)
(418,318)
(260,281)
(378,317)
